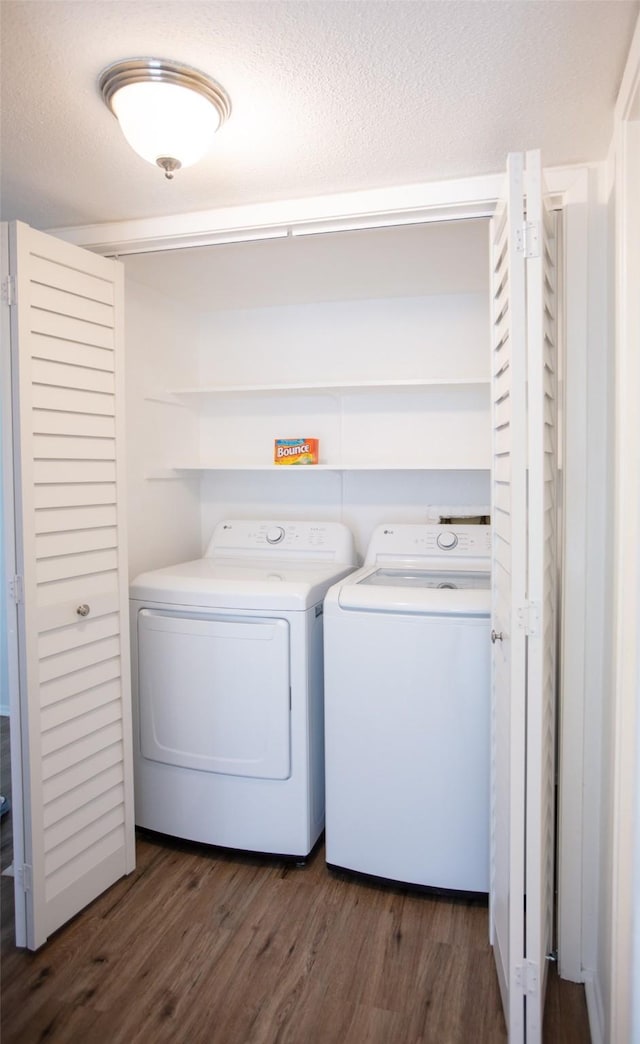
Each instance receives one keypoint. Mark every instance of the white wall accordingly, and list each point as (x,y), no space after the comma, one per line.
(435,336)
(361,500)
(163,514)
(388,304)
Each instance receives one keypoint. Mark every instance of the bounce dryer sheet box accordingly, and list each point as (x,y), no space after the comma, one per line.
(295,451)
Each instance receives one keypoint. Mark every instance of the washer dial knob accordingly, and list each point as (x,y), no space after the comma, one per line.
(275,535)
(447,541)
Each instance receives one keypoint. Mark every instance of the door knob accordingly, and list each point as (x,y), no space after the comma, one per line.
(83,610)
(496,636)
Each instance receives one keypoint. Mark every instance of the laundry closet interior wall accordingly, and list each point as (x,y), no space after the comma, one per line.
(375,341)
(163,516)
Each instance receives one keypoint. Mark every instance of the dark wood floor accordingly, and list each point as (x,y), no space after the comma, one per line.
(207,947)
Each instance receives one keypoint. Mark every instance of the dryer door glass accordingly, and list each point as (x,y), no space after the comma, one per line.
(214,693)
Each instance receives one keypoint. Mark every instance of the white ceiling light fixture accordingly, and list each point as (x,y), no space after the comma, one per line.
(168,112)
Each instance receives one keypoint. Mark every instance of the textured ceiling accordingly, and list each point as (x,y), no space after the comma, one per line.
(327,96)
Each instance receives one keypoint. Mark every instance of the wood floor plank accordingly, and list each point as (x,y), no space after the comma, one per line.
(208,947)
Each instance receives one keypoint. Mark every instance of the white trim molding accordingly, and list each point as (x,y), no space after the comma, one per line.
(624,1017)
(573,394)
(373,208)
(595,1010)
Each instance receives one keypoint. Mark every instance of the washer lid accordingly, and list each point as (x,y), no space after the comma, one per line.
(240,584)
(412,590)
(457,580)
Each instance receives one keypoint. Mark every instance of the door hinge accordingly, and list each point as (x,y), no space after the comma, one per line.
(529,618)
(527,977)
(16,589)
(528,239)
(24,877)
(9,290)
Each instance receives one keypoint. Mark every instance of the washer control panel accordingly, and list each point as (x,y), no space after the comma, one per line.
(330,540)
(429,541)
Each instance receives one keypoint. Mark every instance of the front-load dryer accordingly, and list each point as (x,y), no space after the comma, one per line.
(228,687)
(407,709)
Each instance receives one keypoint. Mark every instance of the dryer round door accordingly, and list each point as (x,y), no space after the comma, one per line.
(214,692)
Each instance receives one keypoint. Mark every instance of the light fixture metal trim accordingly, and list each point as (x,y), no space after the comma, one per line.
(162,70)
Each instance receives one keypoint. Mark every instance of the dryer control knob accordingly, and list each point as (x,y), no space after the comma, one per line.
(447,541)
(275,535)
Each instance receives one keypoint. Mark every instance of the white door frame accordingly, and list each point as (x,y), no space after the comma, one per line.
(624,1023)
(438,201)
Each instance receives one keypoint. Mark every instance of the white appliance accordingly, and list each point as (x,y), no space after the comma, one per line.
(407,708)
(228,687)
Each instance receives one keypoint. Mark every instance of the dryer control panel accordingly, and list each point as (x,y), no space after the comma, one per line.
(429,541)
(310,540)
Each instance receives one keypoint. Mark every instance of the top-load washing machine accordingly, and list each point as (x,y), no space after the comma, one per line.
(407,709)
(228,687)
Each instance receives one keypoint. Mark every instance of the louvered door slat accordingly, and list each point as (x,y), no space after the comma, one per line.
(57,374)
(79,845)
(61,422)
(92,723)
(73,354)
(54,472)
(81,774)
(93,538)
(65,400)
(67,365)
(62,495)
(80,681)
(77,306)
(75,635)
(69,567)
(50,618)
(69,803)
(71,593)
(70,447)
(73,824)
(65,710)
(63,663)
(72,279)
(61,520)
(68,328)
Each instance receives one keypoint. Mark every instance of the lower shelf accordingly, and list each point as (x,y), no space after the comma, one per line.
(180,470)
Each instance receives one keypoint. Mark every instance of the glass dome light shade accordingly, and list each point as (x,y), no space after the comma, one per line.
(168,112)
(165,119)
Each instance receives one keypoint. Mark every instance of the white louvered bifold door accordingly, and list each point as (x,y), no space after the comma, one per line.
(74,668)
(509,566)
(542,591)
